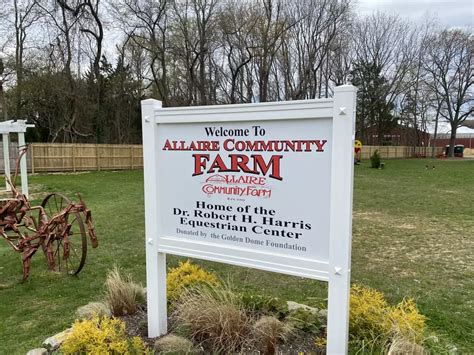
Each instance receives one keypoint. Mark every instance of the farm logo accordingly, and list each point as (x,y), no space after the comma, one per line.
(236,186)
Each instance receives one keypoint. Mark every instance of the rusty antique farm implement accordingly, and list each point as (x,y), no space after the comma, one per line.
(58,226)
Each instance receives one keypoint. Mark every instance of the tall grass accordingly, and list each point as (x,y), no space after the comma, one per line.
(122,294)
(215,318)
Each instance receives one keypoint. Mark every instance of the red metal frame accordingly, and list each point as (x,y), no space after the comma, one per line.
(25,233)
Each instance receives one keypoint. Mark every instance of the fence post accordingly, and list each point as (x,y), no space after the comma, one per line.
(131,156)
(97,156)
(73,148)
(63,159)
(32,157)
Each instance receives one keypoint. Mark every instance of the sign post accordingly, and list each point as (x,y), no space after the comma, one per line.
(155,260)
(267,186)
(342,177)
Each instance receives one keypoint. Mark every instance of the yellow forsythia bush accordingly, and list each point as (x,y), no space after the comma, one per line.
(101,335)
(368,314)
(184,276)
(373,319)
(407,320)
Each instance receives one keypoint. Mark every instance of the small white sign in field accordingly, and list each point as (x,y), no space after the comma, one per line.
(267,186)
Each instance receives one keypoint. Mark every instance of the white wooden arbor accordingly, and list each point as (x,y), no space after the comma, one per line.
(19,127)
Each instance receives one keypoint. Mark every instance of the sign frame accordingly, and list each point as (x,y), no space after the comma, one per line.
(341,110)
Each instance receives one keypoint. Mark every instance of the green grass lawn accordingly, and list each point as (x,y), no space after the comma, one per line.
(413,236)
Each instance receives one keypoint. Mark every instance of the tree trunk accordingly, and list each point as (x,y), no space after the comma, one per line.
(263,84)
(433,150)
(4,105)
(3,101)
(202,75)
(452,141)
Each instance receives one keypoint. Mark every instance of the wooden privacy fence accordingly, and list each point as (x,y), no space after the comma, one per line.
(391,152)
(469,152)
(51,157)
(47,157)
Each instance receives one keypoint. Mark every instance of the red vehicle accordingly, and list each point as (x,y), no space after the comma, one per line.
(58,226)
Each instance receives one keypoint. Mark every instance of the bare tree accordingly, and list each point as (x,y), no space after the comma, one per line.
(63,24)
(309,51)
(198,52)
(271,26)
(25,15)
(195,24)
(3,102)
(185,44)
(87,12)
(416,101)
(145,22)
(389,43)
(3,70)
(450,64)
(204,11)
(385,49)
(236,24)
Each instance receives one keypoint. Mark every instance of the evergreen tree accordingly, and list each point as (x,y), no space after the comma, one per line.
(373,111)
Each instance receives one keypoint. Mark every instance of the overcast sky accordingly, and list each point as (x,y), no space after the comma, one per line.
(451,13)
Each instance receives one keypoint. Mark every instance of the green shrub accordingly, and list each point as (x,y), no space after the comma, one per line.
(305,320)
(375,160)
(185,276)
(122,294)
(264,305)
(174,344)
(91,309)
(101,336)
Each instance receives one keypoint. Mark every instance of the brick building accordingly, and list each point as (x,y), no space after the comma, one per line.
(466,139)
(398,136)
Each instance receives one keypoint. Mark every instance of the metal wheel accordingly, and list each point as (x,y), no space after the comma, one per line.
(69,242)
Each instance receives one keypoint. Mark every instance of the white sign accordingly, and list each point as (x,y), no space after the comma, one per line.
(267,186)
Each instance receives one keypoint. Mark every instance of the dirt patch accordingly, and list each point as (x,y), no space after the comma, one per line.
(136,325)
(407,226)
(414,242)
(300,343)
(449,191)
(367,215)
(384,219)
